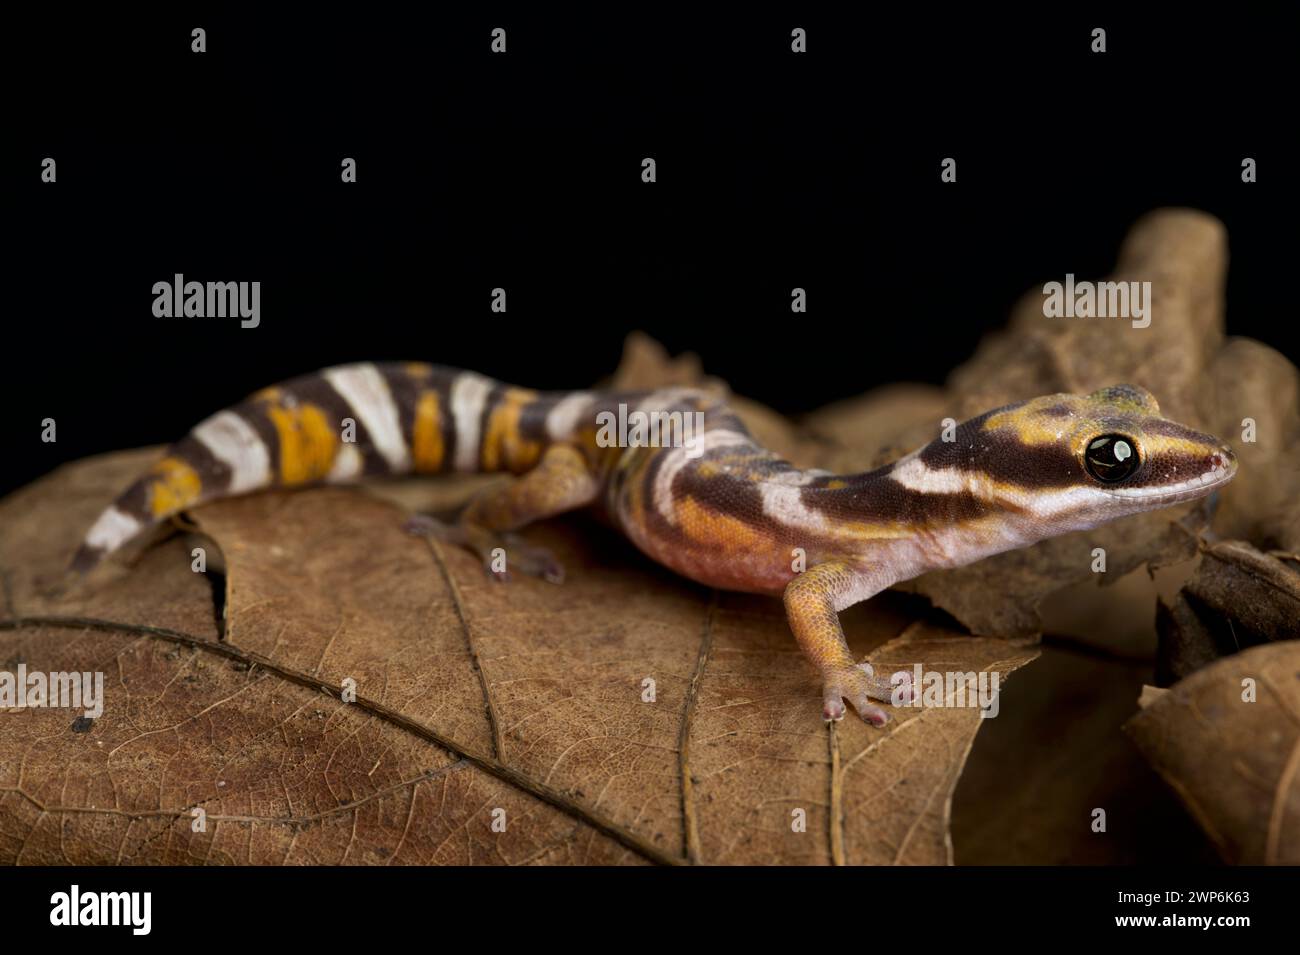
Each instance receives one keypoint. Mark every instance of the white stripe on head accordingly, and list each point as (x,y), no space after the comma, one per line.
(915,475)
(367,393)
(113,529)
(677,458)
(469,394)
(233,442)
(1065,500)
(563,420)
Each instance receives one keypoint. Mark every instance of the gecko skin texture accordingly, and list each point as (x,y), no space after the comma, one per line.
(712,505)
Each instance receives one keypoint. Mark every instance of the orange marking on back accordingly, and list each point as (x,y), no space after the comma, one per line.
(426,439)
(307,442)
(503,446)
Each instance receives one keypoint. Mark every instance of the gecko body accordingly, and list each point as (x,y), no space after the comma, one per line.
(713,506)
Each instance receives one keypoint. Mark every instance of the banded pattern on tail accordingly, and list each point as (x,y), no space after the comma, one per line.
(340,424)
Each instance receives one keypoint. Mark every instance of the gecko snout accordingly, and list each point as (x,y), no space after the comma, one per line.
(1223,460)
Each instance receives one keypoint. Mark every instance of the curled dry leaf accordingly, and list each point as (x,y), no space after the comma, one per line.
(1260,591)
(1149,695)
(1234,762)
(1238,598)
(1252,399)
(1184,255)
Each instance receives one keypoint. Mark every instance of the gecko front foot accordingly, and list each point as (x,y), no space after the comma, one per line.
(499,552)
(859,685)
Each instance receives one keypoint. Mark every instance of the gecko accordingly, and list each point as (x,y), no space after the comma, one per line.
(714,506)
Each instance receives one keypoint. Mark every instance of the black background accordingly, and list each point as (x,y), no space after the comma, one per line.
(731,908)
(522,171)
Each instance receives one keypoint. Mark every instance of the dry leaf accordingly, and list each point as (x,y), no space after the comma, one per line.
(1234,764)
(471,698)
(1252,385)
(1183,253)
(1149,695)
(1260,591)
(1238,598)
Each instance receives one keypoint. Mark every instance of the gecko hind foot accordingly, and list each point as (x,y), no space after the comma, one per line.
(530,559)
(506,550)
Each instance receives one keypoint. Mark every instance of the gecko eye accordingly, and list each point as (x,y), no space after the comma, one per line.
(1111,458)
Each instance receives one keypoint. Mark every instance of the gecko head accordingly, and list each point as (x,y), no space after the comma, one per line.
(1072,462)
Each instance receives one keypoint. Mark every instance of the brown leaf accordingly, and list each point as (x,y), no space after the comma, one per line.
(1250,381)
(1239,597)
(1234,764)
(922,756)
(471,696)
(1259,590)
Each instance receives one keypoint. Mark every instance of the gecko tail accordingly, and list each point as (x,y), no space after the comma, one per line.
(337,426)
(85,560)
(163,491)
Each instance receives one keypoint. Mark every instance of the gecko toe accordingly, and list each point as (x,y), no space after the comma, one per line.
(533,560)
(832,712)
(832,701)
(871,713)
